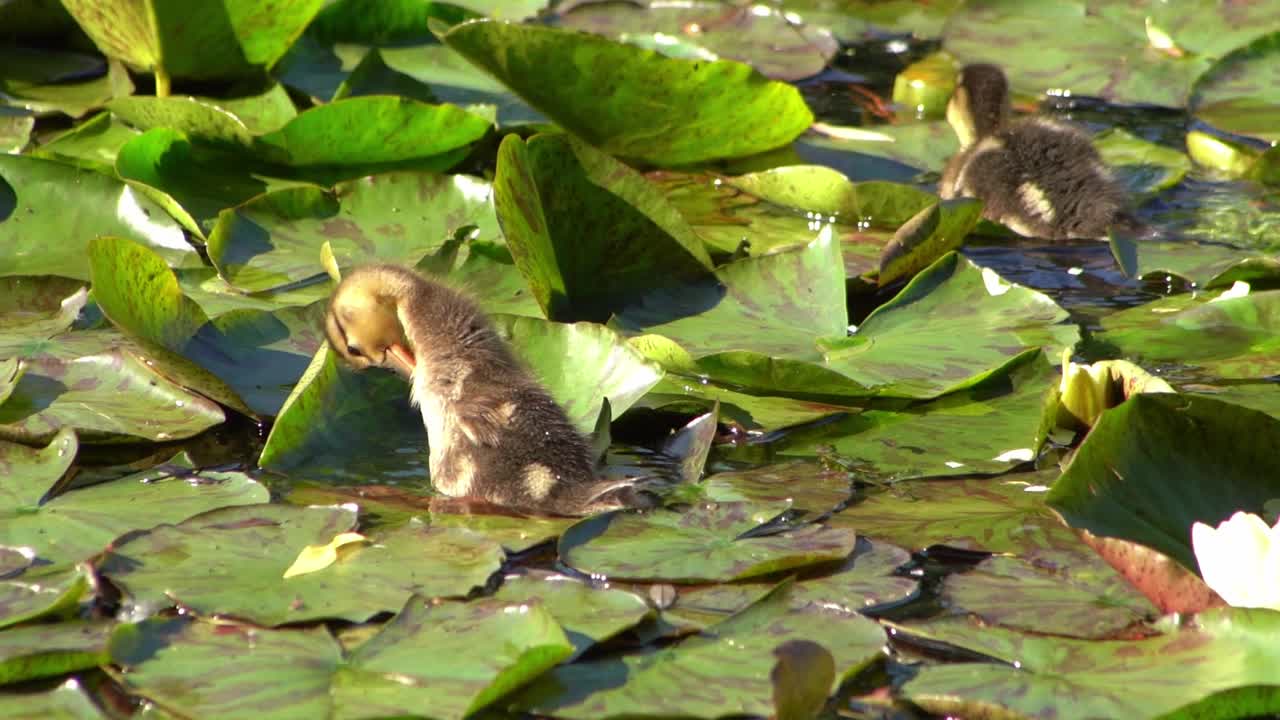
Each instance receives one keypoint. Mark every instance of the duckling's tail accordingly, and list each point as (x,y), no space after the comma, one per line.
(1133,227)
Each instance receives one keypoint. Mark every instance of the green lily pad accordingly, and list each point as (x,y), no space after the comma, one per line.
(644,106)
(918,146)
(515,534)
(582,364)
(38,651)
(699,545)
(588,615)
(72,526)
(850,20)
(335,414)
(1231,338)
(71,94)
(201,40)
(722,671)
(952,326)
(488,272)
(95,141)
(766,39)
(752,412)
(783,206)
(1206,265)
(801,485)
(43,593)
(1238,93)
(369,131)
(274,240)
(482,651)
(192,181)
(776,305)
(231,562)
(1085,599)
(34,309)
(867,577)
(164,656)
(103,395)
(259,353)
(68,701)
(1220,666)
(457,658)
(587,232)
(1035,41)
(1138,474)
(33,472)
(15,130)
(202,119)
(1141,166)
(56,200)
(926,237)
(995,515)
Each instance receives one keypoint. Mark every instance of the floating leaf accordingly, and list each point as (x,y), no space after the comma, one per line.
(1220,666)
(581,364)
(589,615)
(1238,93)
(867,577)
(226,39)
(1077,599)
(767,39)
(1231,337)
(1033,41)
(102,394)
(693,111)
(55,200)
(230,562)
(949,328)
(275,239)
(722,671)
(585,266)
(38,651)
(1138,474)
(776,305)
(74,525)
(456,657)
(702,544)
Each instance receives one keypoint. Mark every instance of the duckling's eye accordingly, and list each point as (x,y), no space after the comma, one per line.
(353,351)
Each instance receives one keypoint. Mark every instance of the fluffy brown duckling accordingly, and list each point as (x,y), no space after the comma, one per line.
(494,433)
(1038,177)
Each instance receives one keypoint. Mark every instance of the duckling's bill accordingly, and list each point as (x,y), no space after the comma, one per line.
(402,360)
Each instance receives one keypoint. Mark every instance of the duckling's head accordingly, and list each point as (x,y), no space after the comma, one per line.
(979,107)
(363,321)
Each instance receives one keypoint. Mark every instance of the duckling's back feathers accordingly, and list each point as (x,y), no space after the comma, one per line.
(1040,178)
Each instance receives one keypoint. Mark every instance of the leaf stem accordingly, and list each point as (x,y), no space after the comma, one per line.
(162,81)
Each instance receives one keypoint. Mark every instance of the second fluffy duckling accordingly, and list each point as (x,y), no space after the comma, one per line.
(1038,177)
(494,433)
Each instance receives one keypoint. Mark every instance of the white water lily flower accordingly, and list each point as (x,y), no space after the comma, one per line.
(1240,560)
(1085,389)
